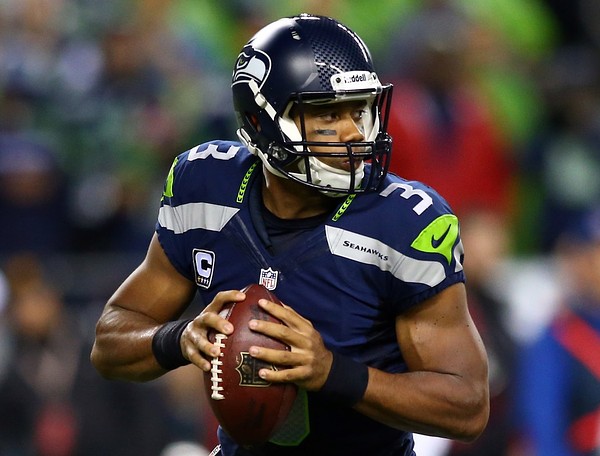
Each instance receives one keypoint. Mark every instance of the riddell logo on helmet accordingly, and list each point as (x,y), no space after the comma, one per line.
(355,78)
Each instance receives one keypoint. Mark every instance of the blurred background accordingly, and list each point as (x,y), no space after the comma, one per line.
(496,105)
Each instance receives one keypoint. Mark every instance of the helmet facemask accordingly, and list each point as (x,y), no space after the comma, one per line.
(298,159)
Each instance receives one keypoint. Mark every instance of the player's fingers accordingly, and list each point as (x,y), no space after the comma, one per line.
(301,368)
(285,360)
(273,356)
(280,332)
(194,341)
(198,360)
(222,298)
(194,344)
(286,314)
(210,318)
(284,375)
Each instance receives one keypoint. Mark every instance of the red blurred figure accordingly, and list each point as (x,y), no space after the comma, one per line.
(444,133)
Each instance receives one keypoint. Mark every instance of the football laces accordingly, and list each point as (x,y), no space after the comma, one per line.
(216,370)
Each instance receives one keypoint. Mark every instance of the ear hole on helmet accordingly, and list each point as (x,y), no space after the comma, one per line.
(253,121)
(293,111)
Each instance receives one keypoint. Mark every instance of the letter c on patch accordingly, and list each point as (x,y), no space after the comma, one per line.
(204,262)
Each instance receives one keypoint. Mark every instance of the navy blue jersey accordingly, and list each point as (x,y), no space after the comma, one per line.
(376,256)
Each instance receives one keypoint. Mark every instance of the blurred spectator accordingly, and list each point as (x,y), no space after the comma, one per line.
(563,161)
(53,403)
(508,39)
(128,125)
(486,236)
(559,378)
(191,418)
(579,20)
(120,89)
(32,197)
(444,133)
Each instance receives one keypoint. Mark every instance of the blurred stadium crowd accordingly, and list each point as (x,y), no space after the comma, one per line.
(497,105)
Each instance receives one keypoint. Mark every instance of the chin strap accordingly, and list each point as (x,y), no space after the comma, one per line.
(255,150)
(261,100)
(328,176)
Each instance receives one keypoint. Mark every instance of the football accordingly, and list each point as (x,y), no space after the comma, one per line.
(247,407)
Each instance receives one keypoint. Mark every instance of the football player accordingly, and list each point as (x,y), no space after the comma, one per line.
(368,264)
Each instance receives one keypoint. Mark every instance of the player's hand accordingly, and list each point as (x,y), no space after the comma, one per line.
(195,345)
(308,362)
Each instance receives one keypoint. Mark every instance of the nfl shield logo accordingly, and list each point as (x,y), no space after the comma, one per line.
(268,278)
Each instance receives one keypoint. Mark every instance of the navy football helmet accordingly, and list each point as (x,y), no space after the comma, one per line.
(310,59)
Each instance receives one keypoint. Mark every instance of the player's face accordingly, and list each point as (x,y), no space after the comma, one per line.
(335,122)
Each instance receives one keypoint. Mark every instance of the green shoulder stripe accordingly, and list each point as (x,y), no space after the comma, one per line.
(168,190)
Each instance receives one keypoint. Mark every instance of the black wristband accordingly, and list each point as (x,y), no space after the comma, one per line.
(347,381)
(166,345)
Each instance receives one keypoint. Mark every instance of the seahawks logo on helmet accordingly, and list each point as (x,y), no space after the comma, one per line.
(251,64)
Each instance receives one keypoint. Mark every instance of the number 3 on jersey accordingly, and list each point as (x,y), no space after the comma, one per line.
(195,154)
(213,150)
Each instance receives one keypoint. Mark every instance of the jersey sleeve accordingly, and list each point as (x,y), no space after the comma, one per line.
(170,226)
(438,267)
(197,201)
(427,250)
